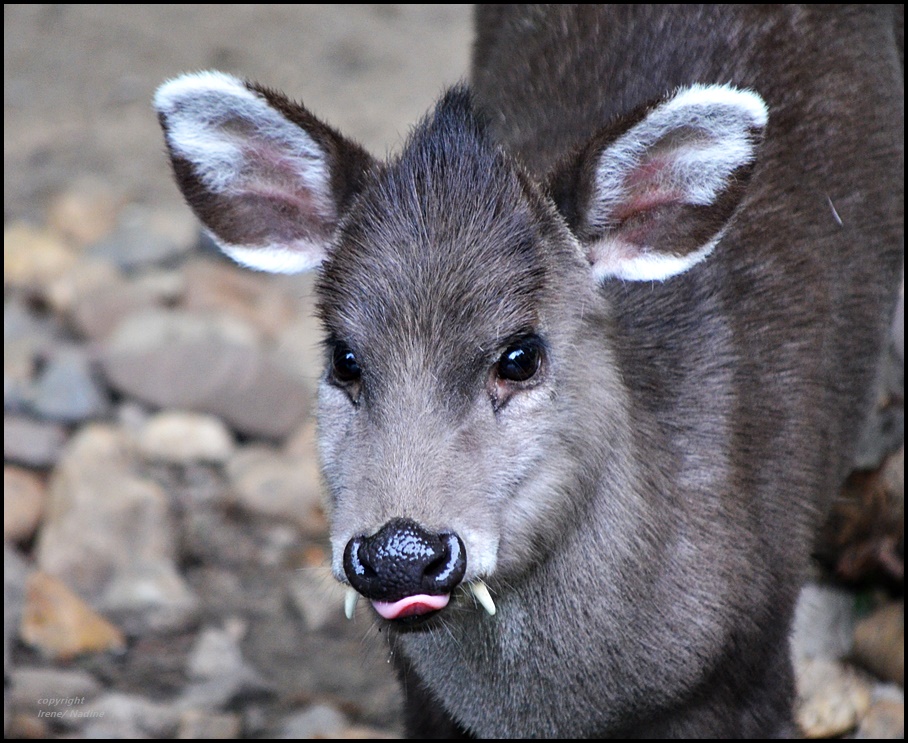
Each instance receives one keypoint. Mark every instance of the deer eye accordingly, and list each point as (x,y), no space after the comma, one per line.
(521,360)
(344,366)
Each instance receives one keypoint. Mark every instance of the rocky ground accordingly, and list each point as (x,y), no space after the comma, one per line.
(165,557)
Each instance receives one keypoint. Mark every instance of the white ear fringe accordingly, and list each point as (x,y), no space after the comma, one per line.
(699,169)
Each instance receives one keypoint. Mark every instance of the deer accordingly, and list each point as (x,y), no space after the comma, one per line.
(598,343)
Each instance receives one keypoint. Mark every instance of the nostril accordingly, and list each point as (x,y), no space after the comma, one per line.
(449,567)
(403,559)
(437,567)
(353,562)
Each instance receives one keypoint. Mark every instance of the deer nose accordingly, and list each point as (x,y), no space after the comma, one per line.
(402,559)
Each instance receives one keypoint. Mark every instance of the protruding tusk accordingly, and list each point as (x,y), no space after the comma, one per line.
(481,592)
(350,602)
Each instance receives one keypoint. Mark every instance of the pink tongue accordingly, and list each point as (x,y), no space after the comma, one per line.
(411,606)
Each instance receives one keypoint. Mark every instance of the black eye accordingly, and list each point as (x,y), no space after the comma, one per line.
(344,366)
(521,360)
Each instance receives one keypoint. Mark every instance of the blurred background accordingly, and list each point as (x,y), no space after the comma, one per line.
(165,552)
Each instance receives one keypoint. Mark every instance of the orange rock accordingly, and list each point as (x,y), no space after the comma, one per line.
(60,624)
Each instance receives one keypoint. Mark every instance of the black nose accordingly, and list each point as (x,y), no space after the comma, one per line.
(403,559)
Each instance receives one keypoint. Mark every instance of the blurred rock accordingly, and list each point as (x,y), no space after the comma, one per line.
(15,574)
(30,442)
(66,390)
(831,698)
(146,237)
(883,721)
(87,277)
(27,337)
(254,298)
(60,624)
(120,716)
(879,643)
(299,351)
(95,314)
(199,725)
(178,437)
(167,285)
(360,732)
(85,211)
(279,544)
(212,536)
(24,495)
(38,691)
(318,597)
(109,534)
(273,484)
(33,258)
(132,416)
(864,538)
(319,721)
(217,671)
(179,359)
(824,622)
(217,652)
(36,332)
(886,717)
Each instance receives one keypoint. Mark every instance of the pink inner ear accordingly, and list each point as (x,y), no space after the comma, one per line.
(647,187)
(293,185)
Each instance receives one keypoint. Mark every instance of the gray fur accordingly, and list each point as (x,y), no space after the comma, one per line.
(643,509)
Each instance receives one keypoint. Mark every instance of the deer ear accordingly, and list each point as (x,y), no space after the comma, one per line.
(651,196)
(267,179)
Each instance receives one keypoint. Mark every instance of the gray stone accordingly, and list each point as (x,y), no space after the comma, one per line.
(109,534)
(95,314)
(228,289)
(217,670)
(41,692)
(319,721)
(85,211)
(22,324)
(192,361)
(824,622)
(201,725)
(15,573)
(318,597)
(33,257)
(119,716)
(24,495)
(273,484)
(178,437)
(879,642)
(66,390)
(216,652)
(87,278)
(30,442)
(299,351)
(26,338)
(885,720)
(146,237)
(832,698)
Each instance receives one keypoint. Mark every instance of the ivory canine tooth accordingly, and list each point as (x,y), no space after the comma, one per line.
(481,592)
(350,602)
